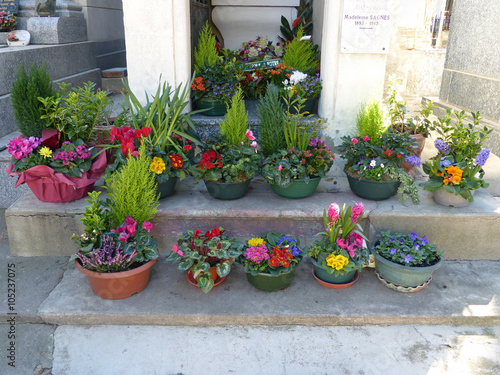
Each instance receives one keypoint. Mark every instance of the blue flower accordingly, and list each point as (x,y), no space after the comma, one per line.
(425,242)
(393,251)
(413,236)
(482,157)
(407,258)
(444,163)
(442,146)
(413,160)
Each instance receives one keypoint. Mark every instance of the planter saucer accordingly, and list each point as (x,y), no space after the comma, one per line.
(192,281)
(336,286)
(403,289)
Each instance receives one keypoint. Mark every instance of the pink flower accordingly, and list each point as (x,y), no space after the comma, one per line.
(333,212)
(135,153)
(357,212)
(130,221)
(366,138)
(280,168)
(354,140)
(249,135)
(355,239)
(342,243)
(124,236)
(253,144)
(147,225)
(175,249)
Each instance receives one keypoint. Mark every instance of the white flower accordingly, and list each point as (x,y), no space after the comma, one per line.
(373,163)
(252,52)
(382,165)
(297,77)
(279,51)
(285,82)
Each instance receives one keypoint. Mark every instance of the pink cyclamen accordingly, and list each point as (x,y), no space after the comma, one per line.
(354,140)
(249,135)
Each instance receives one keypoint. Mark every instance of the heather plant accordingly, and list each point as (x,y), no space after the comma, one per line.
(26,90)
(272,122)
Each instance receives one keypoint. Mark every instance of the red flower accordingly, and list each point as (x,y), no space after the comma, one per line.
(388,152)
(296,22)
(145,131)
(187,147)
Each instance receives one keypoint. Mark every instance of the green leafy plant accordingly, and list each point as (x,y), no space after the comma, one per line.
(304,19)
(26,90)
(75,113)
(206,50)
(409,250)
(219,81)
(272,122)
(199,252)
(132,191)
(370,121)
(235,123)
(300,54)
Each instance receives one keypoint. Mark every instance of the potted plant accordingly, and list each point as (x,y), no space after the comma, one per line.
(270,261)
(340,254)
(456,171)
(7,21)
(296,171)
(373,167)
(116,249)
(305,87)
(227,164)
(168,140)
(405,262)
(207,257)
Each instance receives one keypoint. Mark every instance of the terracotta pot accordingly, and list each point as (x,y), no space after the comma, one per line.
(420,139)
(118,285)
(213,275)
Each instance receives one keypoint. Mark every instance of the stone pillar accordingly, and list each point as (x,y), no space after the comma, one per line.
(159,48)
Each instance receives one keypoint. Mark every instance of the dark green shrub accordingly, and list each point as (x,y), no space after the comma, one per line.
(26,90)
(272,122)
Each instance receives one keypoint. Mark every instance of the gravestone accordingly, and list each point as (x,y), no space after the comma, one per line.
(9,6)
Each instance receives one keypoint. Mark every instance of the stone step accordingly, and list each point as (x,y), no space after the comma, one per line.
(460,293)
(463,233)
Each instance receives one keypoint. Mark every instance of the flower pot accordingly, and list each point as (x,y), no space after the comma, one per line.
(446,198)
(118,285)
(336,285)
(402,278)
(309,105)
(212,107)
(321,274)
(420,139)
(213,275)
(270,283)
(298,189)
(167,187)
(227,190)
(373,190)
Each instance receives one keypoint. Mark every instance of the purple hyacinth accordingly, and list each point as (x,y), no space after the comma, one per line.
(442,146)
(482,157)
(413,160)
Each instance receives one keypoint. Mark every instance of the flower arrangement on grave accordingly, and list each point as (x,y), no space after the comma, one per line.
(380,160)
(7,21)
(260,49)
(206,256)
(341,250)
(458,165)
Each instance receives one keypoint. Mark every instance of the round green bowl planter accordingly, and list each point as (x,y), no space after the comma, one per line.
(402,278)
(298,189)
(271,283)
(213,107)
(322,273)
(227,190)
(373,190)
(167,187)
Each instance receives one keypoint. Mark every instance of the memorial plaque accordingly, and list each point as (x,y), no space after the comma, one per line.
(366,26)
(9,6)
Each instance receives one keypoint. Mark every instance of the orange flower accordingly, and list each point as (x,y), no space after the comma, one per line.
(446,181)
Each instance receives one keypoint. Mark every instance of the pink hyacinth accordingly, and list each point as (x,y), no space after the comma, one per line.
(333,212)
(357,212)
(249,135)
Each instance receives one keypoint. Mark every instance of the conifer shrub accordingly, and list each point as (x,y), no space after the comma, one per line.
(300,54)
(205,51)
(26,90)
(235,123)
(272,122)
(370,121)
(132,191)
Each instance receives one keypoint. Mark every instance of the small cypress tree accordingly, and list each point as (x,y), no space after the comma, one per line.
(132,191)
(272,122)
(26,90)
(235,123)
(370,121)
(300,54)
(205,51)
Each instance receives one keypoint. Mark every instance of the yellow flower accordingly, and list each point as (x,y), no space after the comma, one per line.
(336,261)
(256,241)
(45,152)
(157,165)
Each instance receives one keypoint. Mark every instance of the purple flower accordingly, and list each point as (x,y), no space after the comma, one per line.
(413,236)
(413,160)
(442,146)
(393,251)
(417,247)
(407,258)
(483,155)
(425,242)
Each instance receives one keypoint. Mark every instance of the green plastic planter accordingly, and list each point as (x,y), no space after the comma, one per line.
(399,275)
(298,189)
(322,274)
(373,190)
(271,283)
(227,190)
(166,188)
(213,107)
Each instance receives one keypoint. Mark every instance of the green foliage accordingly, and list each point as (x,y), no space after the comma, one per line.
(300,54)
(75,113)
(370,121)
(132,191)
(205,51)
(305,17)
(298,131)
(235,123)
(272,122)
(26,90)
